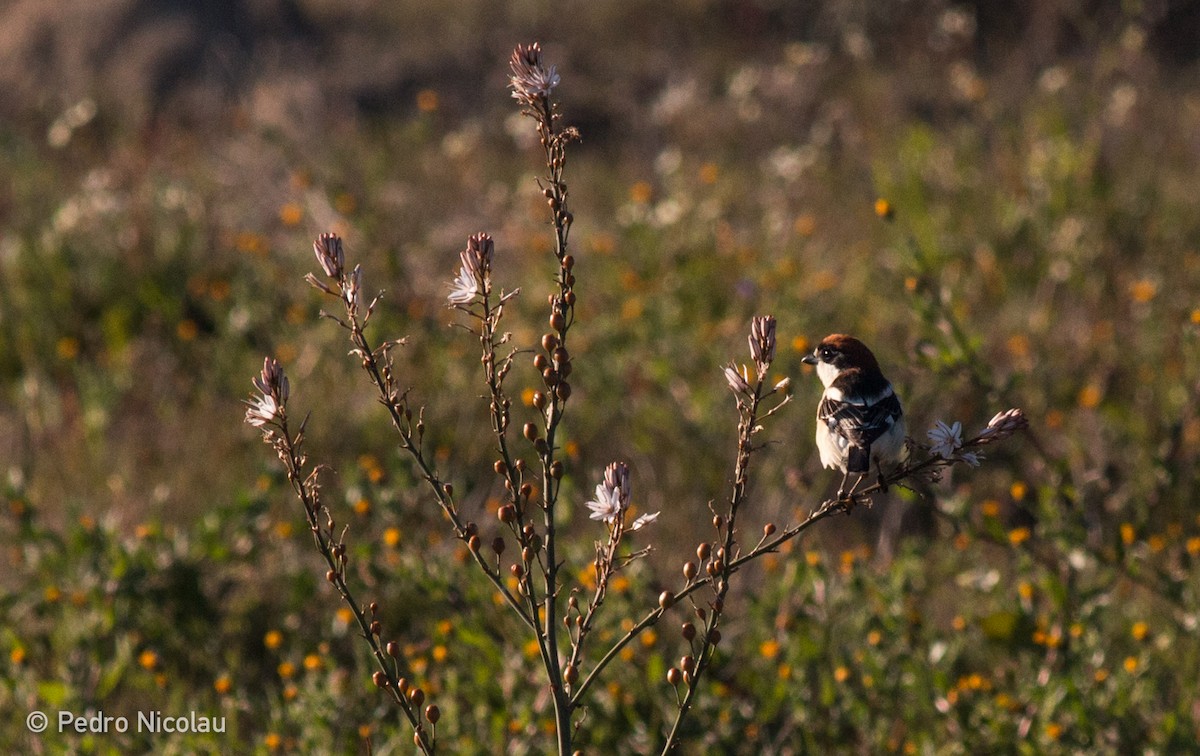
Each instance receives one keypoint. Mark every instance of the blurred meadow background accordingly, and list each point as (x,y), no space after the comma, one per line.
(999,198)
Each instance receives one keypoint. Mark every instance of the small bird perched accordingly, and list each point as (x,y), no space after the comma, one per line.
(859,419)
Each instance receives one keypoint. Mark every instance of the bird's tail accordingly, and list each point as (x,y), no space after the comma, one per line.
(859,459)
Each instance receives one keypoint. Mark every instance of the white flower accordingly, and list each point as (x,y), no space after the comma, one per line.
(464,288)
(531,79)
(645,519)
(971,458)
(261,410)
(946,439)
(607,505)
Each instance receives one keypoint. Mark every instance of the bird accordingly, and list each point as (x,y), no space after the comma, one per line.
(860,422)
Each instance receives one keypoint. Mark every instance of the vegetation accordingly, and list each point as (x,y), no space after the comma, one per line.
(1008,221)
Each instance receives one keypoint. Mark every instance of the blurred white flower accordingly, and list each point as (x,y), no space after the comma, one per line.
(607,504)
(946,439)
(645,519)
(464,288)
(612,495)
(261,410)
(531,80)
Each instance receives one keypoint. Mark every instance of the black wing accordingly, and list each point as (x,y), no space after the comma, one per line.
(861,424)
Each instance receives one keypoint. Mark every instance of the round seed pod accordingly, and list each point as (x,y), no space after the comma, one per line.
(689,570)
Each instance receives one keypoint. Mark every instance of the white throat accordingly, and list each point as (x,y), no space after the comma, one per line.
(827,373)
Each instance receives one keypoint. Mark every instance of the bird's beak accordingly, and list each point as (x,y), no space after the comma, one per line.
(809,359)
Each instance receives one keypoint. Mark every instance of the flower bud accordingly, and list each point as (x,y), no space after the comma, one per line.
(416,696)
(498,545)
(557,321)
(376,628)
(769,529)
(673,676)
(703,551)
(393,649)
(688,663)
(531,432)
(433,713)
(539,400)
(563,391)
(571,674)
(380,679)
(714,637)
(541,363)
(556,469)
(507,513)
(688,631)
(500,467)
(473,544)
(549,342)
(665,599)
(517,571)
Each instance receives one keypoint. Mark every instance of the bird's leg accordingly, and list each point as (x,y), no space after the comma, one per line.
(842,486)
(850,494)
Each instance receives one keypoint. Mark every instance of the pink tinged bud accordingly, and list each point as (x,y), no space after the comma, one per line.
(737,381)
(762,341)
(328,249)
